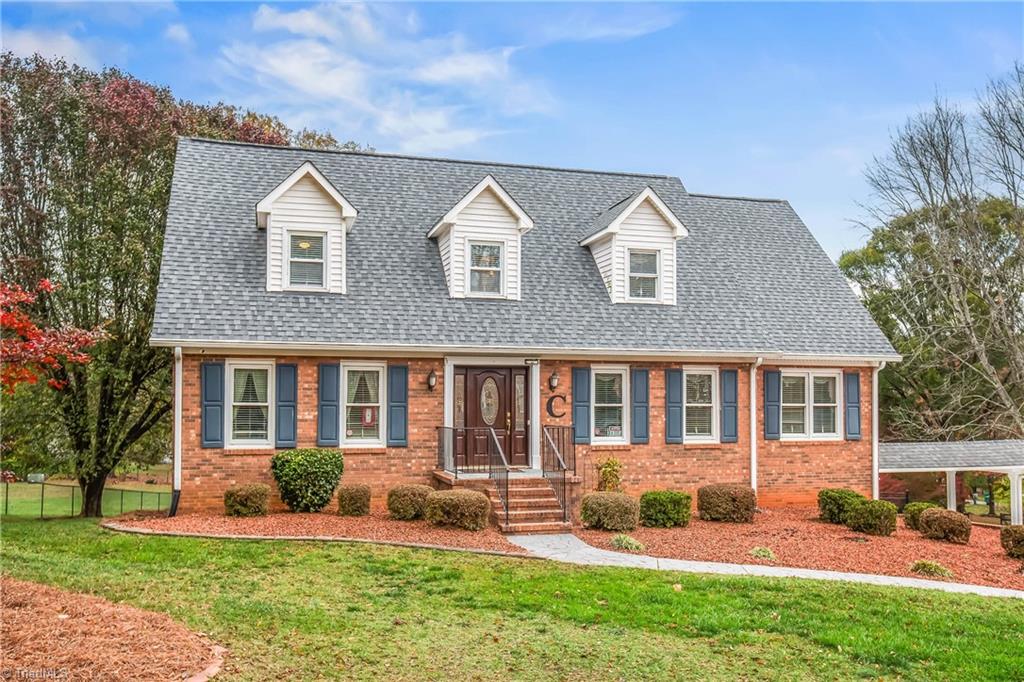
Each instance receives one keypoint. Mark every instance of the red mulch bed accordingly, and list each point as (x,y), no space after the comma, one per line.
(799,540)
(375,526)
(47,633)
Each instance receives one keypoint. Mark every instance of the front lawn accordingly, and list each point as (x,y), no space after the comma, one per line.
(307,610)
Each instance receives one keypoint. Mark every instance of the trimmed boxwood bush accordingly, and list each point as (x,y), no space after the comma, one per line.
(467,509)
(247,500)
(354,500)
(664,509)
(945,524)
(408,502)
(610,511)
(727,502)
(874,517)
(1012,540)
(307,477)
(912,513)
(833,503)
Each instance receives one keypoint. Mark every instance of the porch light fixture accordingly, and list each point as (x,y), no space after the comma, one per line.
(432,380)
(553,380)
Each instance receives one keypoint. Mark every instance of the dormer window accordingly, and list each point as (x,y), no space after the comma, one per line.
(306,262)
(643,274)
(485,268)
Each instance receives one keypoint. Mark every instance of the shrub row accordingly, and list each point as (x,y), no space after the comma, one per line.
(468,509)
(667,508)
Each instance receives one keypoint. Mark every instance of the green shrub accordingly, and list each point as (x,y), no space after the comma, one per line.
(609,511)
(727,502)
(945,524)
(354,500)
(408,502)
(467,509)
(1012,540)
(912,513)
(609,475)
(664,509)
(762,553)
(932,569)
(247,500)
(833,503)
(874,517)
(307,477)
(627,544)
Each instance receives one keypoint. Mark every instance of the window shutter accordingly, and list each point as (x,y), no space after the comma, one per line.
(772,404)
(328,419)
(673,406)
(581,403)
(638,387)
(398,406)
(211,375)
(730,408)
(287,390)
(851,398)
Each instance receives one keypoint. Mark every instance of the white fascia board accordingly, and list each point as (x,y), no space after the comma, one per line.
(264,206)
(936,469)
(523,219)
(678,229)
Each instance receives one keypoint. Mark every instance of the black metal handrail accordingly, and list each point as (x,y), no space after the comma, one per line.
(498,469)
(553,468)
(449,457)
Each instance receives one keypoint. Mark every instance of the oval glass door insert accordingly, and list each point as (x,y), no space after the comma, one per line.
(489,401)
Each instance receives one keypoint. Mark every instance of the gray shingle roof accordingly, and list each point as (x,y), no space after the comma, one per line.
(751,277)
(608,216)
(966,454)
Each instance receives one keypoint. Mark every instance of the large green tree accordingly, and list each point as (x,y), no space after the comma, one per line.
(943,269)
(85,180)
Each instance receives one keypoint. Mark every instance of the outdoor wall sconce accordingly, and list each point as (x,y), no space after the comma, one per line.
(432,380)
(553,380)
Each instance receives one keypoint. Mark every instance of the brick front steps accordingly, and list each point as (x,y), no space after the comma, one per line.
(533,507)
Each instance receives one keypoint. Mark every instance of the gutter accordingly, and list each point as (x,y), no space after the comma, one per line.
(753,421)
(875,429)
(176,488)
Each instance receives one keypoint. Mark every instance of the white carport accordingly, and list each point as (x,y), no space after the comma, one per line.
(953,457)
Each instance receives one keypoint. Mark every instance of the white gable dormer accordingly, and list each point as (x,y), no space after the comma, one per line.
(480,243)
(307,220)
(634,247)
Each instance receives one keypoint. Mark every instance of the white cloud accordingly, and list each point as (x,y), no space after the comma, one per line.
(26,42)
(466,67)
(178,33)
(582,24)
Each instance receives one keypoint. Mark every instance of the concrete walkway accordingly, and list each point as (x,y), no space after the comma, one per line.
(570,549)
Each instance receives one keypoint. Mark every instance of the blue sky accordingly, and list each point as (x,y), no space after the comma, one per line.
(778,100)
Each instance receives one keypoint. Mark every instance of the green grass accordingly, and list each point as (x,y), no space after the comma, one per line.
(314,611)
(64,498)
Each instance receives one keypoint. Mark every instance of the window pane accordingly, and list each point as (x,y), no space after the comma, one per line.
(485,256)
(520,407)
(362,421)
(460,400)
(249,423)
(608,389)
(363,386)
(607,421)
(643,287)
(698,421)
(306,274)
(641,263)
(307,247)
(793,420)
(825,390)
(824,420)
(485,281)
(250,385)
(698,389)
(794,390)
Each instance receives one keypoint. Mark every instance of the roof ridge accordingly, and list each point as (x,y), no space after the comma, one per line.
(442,159)
(768,200)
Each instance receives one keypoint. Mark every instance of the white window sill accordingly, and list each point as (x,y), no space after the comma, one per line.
(699,440)
(248,445)
(306,290)
(481,295)
(363,444)
(818,437)
(646,301)
(594,440)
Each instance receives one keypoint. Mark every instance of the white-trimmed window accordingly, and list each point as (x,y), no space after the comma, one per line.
(644,274)
(250,390)
(364,413)
(810,404)
(486,268)
(609,388)
(306,259)
(700,404)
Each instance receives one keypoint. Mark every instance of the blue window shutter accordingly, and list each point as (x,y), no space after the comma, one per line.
(638,387)
(328,419)
(581,403)
(772,404)
(286,388)
(673,406)
(851,398)
(211,385)
(730,408)
(398,406)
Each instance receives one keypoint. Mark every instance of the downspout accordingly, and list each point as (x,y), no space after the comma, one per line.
(874,429)
(753,422)
(176,489)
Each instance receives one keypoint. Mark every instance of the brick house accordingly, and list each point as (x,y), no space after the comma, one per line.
(504,326)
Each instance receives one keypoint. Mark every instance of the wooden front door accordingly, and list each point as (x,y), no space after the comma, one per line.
(491,398)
